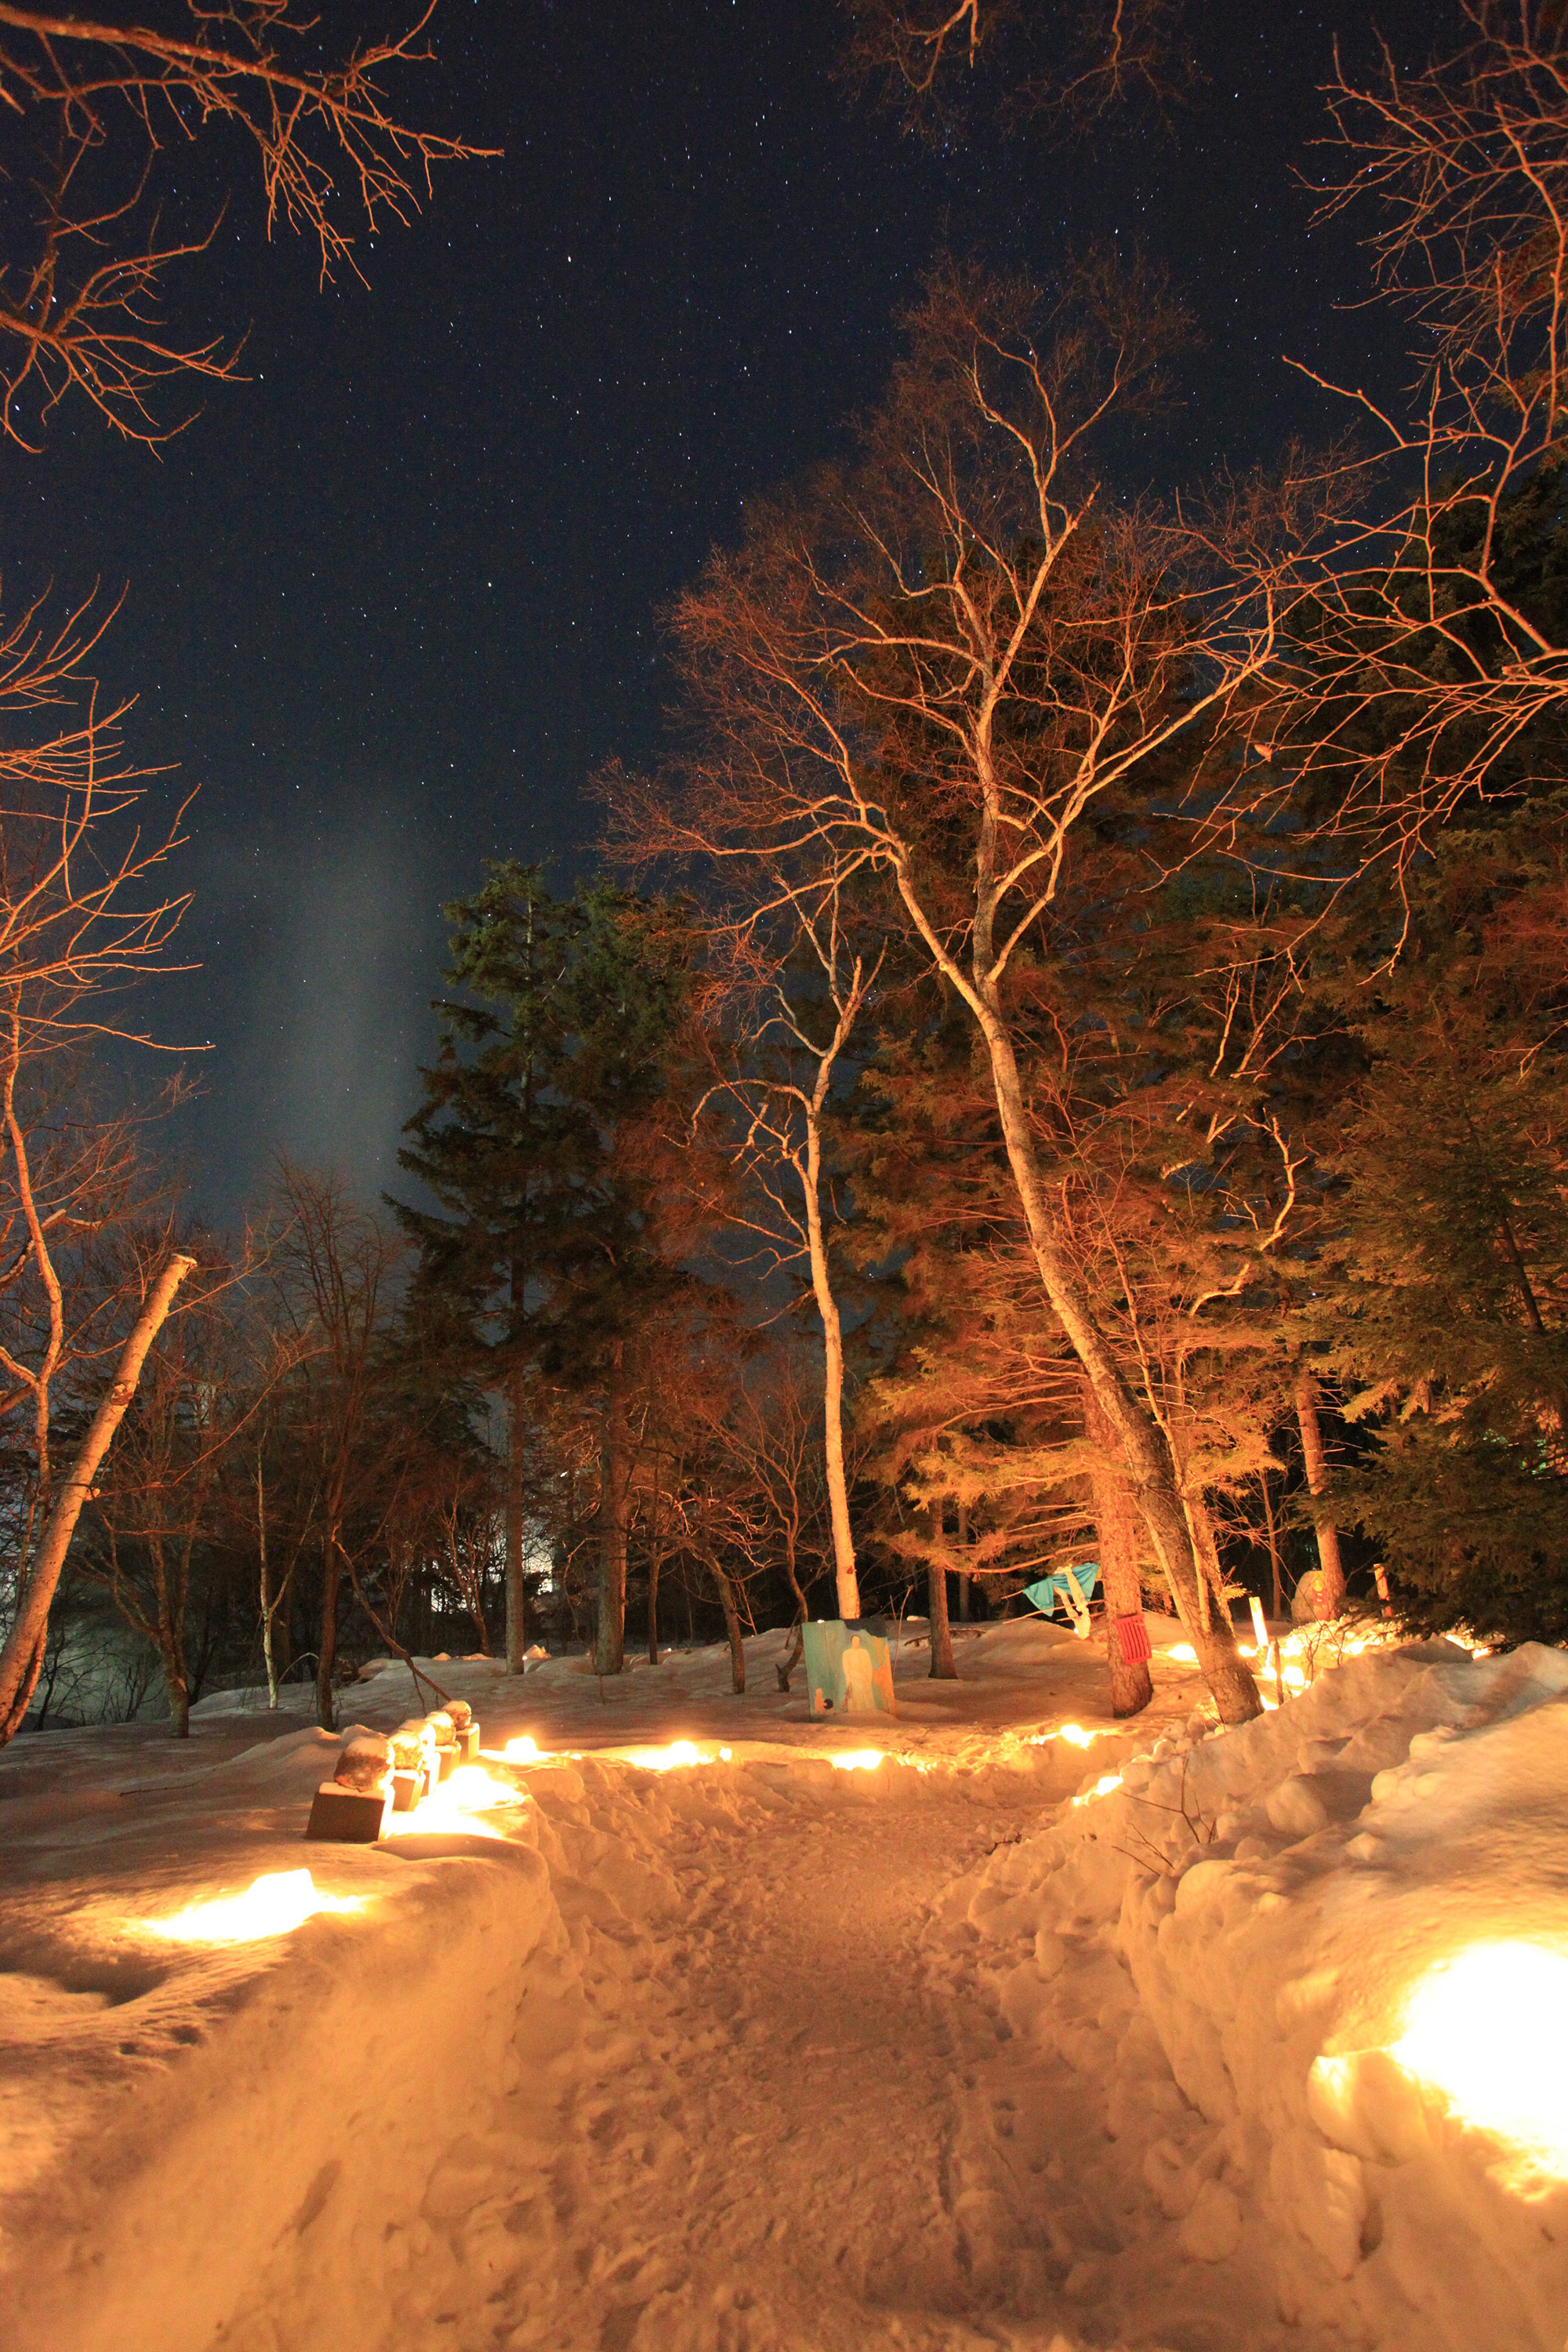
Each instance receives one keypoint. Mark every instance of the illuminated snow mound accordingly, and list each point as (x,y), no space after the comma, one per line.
(1347,1927)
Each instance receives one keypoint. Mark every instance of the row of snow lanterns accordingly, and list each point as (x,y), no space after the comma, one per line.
(377,1777)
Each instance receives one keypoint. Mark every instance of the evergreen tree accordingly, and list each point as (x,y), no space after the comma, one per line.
(495,1142)
(1436,1298)
(546,1247)
(1453,1267)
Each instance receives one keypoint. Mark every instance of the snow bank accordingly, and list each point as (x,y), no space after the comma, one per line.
(224,2136)
(1277,1894)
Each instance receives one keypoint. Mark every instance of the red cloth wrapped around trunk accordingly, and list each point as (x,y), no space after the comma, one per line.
(1132,1640)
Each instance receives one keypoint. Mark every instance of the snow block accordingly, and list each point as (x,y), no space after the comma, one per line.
(348,1816)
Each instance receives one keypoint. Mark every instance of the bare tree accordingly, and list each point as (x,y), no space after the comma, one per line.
(1074,66)
(770,1448)
(781,1075)
(102,114)
(83,914)
(332,1275)
(23,1654)
(933,668)
(1433,653)
(156,1505)
(473,1537)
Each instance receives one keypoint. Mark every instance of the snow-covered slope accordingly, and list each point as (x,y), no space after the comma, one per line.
(175,2116)
(1045,2033)
(1281,1894)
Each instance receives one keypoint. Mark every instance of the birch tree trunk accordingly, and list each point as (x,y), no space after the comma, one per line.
(1116,1525)
(833,1384)
(609,1643)
(1143,1447)
(1331,1586)
(22,1658)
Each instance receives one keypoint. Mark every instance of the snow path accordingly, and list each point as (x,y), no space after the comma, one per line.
(753,2090)
(751,2118)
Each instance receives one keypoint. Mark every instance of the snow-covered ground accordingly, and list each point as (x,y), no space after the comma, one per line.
(754,2053)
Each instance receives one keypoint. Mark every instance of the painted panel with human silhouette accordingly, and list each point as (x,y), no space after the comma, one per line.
(847,1670)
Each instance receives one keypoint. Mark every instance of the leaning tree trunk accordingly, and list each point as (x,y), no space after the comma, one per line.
(1331,1583)
(1116,1524)
(609,1642)
(1150,1471)
(22,1658)
(943,1669)
(516,1608)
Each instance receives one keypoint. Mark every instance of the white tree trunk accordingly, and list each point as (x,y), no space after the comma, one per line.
(833,1383)
(22,1652)
(1143,1444)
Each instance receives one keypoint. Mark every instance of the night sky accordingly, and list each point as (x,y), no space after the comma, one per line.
(391,600)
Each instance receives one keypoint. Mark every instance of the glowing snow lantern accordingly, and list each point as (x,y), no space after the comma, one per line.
(1103,1788)
(857,1759)
(1075,1735)
(522,1751)
(1490,2029)
(1182,1652)
(270,1905)
(461,1802)
(661,1760)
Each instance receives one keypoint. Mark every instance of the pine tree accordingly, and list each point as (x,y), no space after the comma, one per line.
(495,1142)
(545,1248)
(1453,1266)
(1439,1298)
